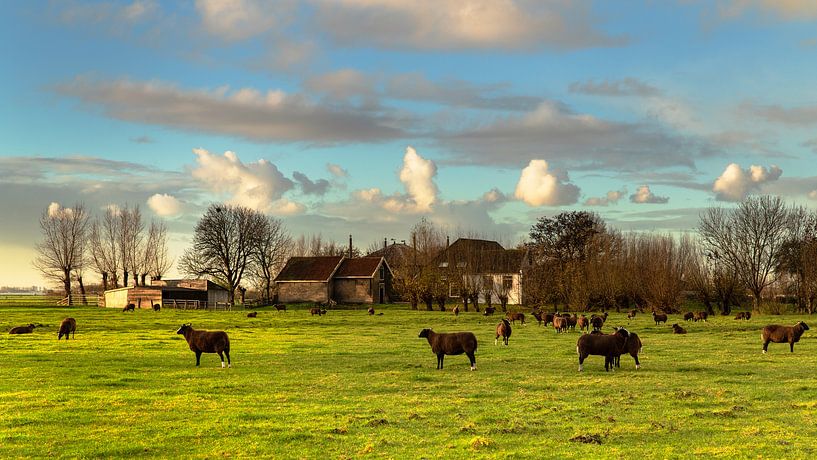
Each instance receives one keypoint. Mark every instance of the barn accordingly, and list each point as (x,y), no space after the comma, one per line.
(190,293)
(342,279)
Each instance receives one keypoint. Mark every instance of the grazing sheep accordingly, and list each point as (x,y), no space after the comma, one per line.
(782,334)
(280,307)
(316,311)
(659,318)
(456,310)
(370,311)
(633,347)
(22,329)
(453,343)
(631,314)
(688,316)
(157,307)
(744,315)
(559,323)
(514,317)
(676,329)
(571,322)
(597,322)
(206,342)
(67,326)
(503,329)
(583,323)
(605,345)
(488,311)
(129,307)
(323,312)
(701,316)
(252,315)
(747,316)
(547,318)
(538,315)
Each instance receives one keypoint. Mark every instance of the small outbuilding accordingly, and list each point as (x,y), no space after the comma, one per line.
(342,279)
(190,293)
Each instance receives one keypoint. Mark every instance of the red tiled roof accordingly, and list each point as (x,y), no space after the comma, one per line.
(309,268)
(359,267)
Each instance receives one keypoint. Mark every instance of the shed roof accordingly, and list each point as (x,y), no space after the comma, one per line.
(361,267)
(309,268)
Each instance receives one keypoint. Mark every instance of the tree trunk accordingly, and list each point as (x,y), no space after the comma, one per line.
(125,278)
(144,275)
(756,293)
(66,284)
(465,303)
(267,286)
(104,281)
(243,292)
(82,291)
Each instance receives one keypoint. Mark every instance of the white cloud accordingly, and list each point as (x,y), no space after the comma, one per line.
(337,170)
(736,183)
(234,20)
(258,185)
(457,24)
(644,195)
(417,175)
(165,205)
(813,194)
(539,187)
(54,209)
(612,197)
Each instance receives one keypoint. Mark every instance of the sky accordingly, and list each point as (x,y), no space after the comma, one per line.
(363,116)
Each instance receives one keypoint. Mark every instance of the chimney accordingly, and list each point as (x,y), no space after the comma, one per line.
(385,244)
(447,241)
(350,246)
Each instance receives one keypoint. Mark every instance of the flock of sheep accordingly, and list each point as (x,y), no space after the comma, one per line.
(594,343)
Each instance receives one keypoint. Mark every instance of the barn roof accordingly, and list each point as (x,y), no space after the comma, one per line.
(361,267)
(309,268)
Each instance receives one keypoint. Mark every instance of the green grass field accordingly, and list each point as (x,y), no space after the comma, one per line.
(348,385)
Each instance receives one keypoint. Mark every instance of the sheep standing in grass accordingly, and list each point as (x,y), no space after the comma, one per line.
(559,323)
(744,315)
(597,322)
(280,307)
(503,329)
(22,329)
(547,318)
(370,311)
(631,314)
(689,316)
(129,307)
(453,343)
(659,318)
(538,315)
(316,311)
(157,307)
(67,326)
(782,334)
(488,311)
(583,323)
(701,316)
(206,342)
(631,347)
(607,345)
(514,317)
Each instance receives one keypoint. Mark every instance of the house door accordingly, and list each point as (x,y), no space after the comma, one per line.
(382,293)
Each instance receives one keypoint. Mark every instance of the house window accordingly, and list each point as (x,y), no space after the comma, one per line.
(382,272)
(507,282)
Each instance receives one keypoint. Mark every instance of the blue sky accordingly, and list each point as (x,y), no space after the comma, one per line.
(363,116)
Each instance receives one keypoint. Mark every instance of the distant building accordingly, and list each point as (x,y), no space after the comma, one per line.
(485,263)
(191,293)
(344,280)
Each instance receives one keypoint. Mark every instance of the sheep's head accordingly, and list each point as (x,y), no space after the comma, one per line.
(424,333)
(803,325)
(184,328)
(623,332)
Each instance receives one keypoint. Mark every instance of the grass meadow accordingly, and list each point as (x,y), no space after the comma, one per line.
(348,385)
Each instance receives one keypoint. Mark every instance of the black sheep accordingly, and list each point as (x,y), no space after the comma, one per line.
(206,342)
(22,329)
(452,343)
(252,314)
(129,307)
(609,346)
(370,311)
(67,326)
(659,318)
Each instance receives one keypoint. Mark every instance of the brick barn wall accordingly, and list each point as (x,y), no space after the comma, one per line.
(354,290)
(302,292)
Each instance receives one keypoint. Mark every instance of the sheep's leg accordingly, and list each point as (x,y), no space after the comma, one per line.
(227,352)
(581,360)
(637,364)
(221,355)
(495,340)
(791,344)
(198,358)
(765,346)
(440,360)
(473,361)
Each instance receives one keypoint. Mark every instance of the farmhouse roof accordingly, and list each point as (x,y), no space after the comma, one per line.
(481,256)
(361,267)
(193,284)
(309,268)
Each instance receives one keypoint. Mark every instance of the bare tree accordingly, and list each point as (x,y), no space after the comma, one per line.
(748,239)
(273,249)
(223,244)
(129,241)
(60,251)
(156,254)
